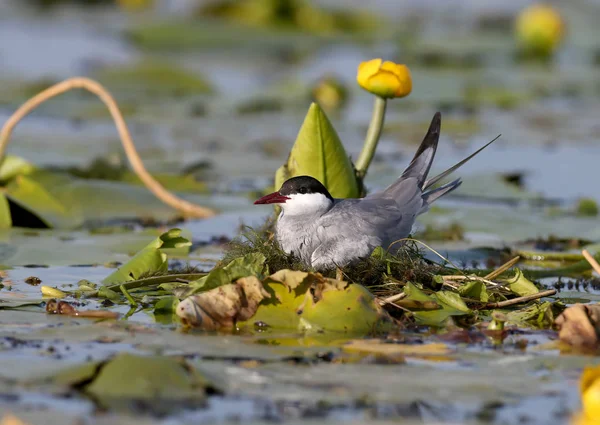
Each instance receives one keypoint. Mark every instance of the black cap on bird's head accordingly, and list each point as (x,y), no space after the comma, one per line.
(301,185)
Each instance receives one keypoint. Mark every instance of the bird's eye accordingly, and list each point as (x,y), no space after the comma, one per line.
(302,190)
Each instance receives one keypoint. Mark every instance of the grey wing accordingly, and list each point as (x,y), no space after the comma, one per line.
(353,228)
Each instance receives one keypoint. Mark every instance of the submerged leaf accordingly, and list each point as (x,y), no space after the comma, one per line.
(150,259)
(318,152)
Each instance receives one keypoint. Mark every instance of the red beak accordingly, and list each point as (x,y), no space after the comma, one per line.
(272,198)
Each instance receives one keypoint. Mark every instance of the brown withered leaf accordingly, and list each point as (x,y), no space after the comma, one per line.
(62,307)
(579,325)
(224,306)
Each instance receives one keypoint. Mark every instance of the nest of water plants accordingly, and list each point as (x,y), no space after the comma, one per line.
(382,272)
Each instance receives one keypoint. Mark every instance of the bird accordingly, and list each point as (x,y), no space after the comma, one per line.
(327,233)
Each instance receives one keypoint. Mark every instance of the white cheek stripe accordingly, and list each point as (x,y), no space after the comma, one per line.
(309,203)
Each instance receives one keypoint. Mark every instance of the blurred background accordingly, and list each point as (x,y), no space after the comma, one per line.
(217,90)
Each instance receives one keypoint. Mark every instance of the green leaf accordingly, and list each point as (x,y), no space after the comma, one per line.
(35,194)
(318,152)
(5,217)
(248,265)
(307,302)
(449,306)
(474,289)
(166,304)
(104,292)
(288,299)
(452,300)
(160,381)
(155,78)
(151,259)
(351,310)
(520,285)
(11,166)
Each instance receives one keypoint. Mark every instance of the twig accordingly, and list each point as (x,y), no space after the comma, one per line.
(590,259)
(186,208)
(476,278)
(520,300)
(392,299)
(504,267)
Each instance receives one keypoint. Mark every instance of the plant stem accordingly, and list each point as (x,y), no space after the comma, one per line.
(128,296)
(521,300)
(372,137)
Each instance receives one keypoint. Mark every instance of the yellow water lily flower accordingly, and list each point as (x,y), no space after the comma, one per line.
(384,79)
(539,29)
(590,393)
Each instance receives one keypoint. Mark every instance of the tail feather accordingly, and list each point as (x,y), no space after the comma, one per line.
(434,180)
(421,163)
(433,194)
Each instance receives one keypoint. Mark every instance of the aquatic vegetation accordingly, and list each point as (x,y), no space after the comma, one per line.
(27,191)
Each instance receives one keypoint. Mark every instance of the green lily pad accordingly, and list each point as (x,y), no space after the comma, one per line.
(36,194)
(126,379)
(308,302)
(154,78)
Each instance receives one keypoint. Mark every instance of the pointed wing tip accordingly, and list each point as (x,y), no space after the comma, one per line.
(436,123)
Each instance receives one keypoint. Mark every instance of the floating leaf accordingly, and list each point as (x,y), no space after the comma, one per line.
(34,193)
(160,381)
(144,378)
(520,285)
(351,309)
(318,152)
(377,346)
(156,78)
(150,259)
